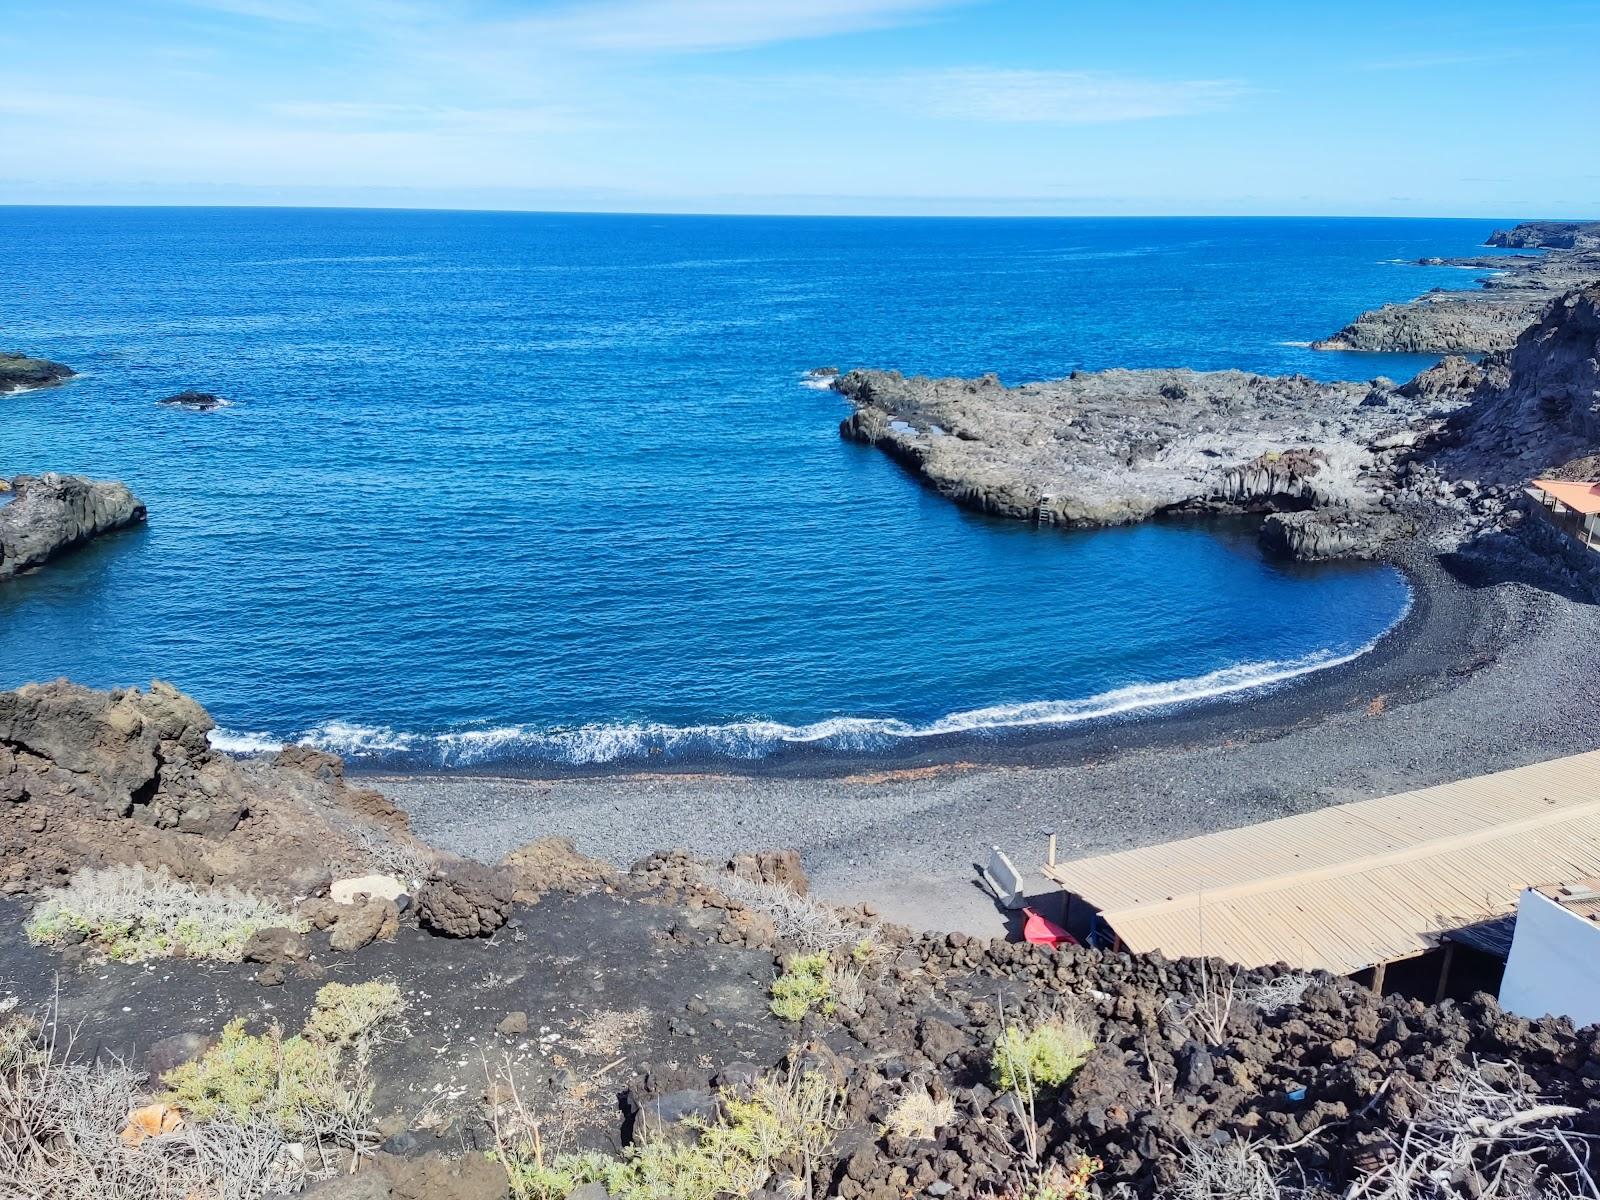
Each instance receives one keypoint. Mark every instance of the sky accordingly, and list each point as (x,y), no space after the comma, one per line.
(970,107)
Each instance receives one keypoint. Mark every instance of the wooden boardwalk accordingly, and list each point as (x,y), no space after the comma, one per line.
(1354,885)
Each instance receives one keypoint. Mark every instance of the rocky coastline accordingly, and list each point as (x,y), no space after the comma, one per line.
(50,513)
(1337,469)
(445,1012)
(1514,290)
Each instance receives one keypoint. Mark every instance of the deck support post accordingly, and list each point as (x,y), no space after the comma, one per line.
(1377,977)
(1444,971)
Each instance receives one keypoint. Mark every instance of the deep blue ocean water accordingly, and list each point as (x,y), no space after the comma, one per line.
(501,487)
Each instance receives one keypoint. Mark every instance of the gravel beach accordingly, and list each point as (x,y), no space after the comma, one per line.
(1481,676)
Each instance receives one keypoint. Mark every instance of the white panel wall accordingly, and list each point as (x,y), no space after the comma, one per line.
(1554,968)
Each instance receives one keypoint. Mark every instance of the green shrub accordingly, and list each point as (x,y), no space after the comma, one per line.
(131,913)
(790,1119)
(303,1084)
(292,1082)
(1045,1056)
(807,984)
(535,1180)
(346,1013)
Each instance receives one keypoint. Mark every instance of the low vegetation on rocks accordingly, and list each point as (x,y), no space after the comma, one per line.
(920,1114)
(781,1132)
(132,913)
(353,1014)
(805,986)
(259,1112)
(1043,1056)
(647,1013)
(312,1085)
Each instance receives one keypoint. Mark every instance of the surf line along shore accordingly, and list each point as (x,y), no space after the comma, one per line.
(1499,624)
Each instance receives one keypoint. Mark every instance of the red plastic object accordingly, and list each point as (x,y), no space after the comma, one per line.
(1042,931)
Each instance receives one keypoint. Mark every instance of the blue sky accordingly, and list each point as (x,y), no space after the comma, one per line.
(807,106)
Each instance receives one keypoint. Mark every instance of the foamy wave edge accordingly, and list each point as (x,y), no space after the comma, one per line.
(597,744)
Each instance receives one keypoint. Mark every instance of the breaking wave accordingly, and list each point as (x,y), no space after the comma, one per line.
(602,743)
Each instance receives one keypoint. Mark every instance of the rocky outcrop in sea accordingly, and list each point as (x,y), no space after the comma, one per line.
(20,373)
(1119,446)
(51,513)
(195,401)
(1514,291)
(1340,469)
(1549,235)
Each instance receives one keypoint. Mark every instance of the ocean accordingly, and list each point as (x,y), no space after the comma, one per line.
(501,489)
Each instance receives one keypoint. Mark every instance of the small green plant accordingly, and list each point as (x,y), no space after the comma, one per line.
(347,1013)
(790,1119)
(534,1180)
(807,984)
(862,951)
(293,1082)
(1045,1056)
(131,913)
(1063,1181)
(305,1085)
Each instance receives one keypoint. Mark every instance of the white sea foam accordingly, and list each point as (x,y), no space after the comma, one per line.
(818,383)
(599,743)
(233,742)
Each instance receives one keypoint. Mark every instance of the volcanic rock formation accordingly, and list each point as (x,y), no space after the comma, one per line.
(1514,291)
(50,513)
(20,373)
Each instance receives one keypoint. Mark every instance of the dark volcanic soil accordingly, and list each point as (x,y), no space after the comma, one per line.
(569,963)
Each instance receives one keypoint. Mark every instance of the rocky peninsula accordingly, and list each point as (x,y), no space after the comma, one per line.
(1514,290)
(49,514)
(20,373)
(1340,469)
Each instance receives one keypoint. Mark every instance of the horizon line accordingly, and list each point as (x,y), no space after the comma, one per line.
(790,215)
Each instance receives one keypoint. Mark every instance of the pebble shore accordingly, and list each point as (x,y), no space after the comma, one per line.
(1480,677)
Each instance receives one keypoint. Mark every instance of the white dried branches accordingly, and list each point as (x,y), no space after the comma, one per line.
(1479,1137)
(801,921)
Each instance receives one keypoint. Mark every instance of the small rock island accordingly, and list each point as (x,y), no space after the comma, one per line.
(22,373)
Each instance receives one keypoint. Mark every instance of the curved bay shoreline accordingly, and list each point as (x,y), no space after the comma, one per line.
(1480,676)
(1485,672)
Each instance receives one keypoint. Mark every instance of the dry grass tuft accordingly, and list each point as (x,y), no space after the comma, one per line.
(918,1115)
(60,1136)
(604,1033)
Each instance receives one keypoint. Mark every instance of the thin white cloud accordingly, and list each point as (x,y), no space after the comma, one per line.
(503,120)
(319,12)
(697,25)
(1055,97)
(1430,61)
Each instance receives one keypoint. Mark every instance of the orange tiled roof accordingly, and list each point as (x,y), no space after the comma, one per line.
(1579,497)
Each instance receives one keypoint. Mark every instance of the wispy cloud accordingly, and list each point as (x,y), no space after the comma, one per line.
(504,120)
(1428,61)
(1056,97)
(319,12)
(698,25)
